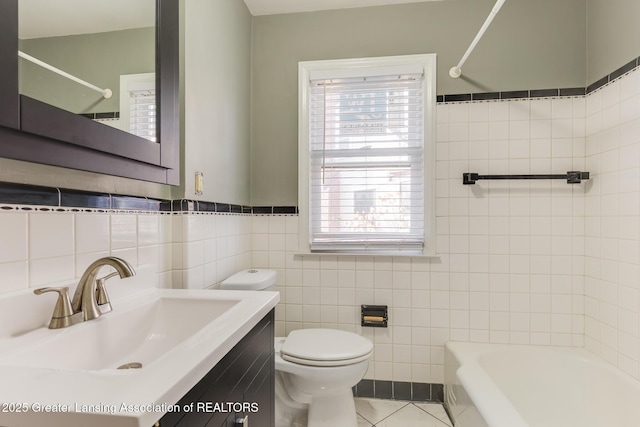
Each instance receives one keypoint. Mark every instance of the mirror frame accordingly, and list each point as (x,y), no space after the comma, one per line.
(33,131)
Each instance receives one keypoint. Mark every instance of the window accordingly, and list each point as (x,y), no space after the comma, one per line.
(138,111)
(366,155)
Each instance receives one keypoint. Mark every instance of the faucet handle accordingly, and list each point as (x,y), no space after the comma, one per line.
(102,298)
(62,312)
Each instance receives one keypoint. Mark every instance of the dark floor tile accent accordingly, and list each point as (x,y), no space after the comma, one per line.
(19,194)
(543,93)
(365,389)
(73,198)
(486,96)
(437,392)
(440,98)
(235,208)
(420,392)
(401,390)
(624,69)
(383,389)
(514,94)
(246,209)
(576,91)
(593,86)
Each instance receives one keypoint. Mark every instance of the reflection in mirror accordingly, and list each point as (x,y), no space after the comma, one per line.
(104,43)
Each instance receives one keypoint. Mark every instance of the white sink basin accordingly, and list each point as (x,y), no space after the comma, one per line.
(69,377)
(138,335)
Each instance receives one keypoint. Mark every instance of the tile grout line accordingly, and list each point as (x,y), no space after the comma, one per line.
(430,414)
(394,413)
(391,414)
(366,420)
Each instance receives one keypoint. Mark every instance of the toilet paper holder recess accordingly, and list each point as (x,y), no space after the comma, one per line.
(374,315)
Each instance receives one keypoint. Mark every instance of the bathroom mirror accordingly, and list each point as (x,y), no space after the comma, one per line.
(103,44)
(34,130)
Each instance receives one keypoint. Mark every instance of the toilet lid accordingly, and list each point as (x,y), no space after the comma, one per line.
(325,347)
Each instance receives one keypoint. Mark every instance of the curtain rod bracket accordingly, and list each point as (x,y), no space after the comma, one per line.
(456,71)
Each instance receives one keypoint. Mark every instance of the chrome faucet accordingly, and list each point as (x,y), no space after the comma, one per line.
(90,299)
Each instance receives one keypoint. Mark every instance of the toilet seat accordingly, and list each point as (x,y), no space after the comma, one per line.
(325,347)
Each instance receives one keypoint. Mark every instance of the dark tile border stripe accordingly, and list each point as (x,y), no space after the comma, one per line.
(631,65)
(19,194)
(398,390)
(102,116)
(598,84)
(576,91)
(285,210)
(541,93)
(32,195)
(485,96)
(544,93)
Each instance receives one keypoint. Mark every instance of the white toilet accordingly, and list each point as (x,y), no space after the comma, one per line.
(315,368)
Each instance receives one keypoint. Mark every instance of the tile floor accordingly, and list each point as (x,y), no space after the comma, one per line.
(396,413)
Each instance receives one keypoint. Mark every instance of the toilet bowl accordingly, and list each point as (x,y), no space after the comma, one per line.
(318,367)
(315,368)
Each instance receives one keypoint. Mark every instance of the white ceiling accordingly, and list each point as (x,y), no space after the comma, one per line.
(272,7)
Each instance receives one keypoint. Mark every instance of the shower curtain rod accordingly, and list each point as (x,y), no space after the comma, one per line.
(456,71)
(105,92)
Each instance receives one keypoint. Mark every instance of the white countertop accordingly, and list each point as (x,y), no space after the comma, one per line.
(137,397)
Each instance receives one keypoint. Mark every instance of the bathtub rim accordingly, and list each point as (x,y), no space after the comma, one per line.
(490,402)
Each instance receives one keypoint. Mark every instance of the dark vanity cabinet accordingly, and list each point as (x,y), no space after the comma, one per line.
(240,385)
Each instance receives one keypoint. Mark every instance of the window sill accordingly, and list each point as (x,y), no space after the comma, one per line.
(361,255)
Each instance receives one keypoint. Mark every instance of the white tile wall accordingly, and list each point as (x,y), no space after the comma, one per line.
(43,247)
(188,250)
(511,258)
(538,262)
(512,265)
(612,223)
(207,248)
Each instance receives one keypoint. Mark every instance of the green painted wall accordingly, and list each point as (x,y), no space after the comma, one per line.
(613,35)
(98,58)
(532,44)
(217,109)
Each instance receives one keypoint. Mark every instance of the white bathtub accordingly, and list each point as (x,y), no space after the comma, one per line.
(493,385)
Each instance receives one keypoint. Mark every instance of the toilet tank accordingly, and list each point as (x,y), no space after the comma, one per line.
(253,279)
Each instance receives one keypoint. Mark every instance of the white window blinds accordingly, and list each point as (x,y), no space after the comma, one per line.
(366,184)
(142,113)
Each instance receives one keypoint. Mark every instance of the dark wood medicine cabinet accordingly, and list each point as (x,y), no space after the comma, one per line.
(33,131)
